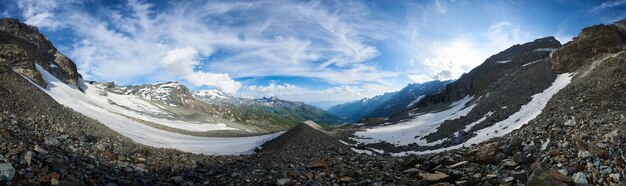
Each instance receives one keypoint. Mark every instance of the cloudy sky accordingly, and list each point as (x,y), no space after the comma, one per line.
(319,52)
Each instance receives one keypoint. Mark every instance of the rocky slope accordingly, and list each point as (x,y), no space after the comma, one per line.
(388,104)
(23,47)
(577,138)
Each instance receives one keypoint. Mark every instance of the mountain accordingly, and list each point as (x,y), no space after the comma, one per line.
(259,115)
(356,110)
(383,106)
(534,114)
(509,90)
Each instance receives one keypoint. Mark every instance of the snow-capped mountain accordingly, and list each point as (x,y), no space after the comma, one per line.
(383,106)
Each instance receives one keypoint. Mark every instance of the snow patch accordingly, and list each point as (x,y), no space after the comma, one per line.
(140,109)
(368,152)
(469,127)
(502,62)
(210,94)
(405,133)
(415,101)
(544,49)
(526,113)
(140,133)
(533,62)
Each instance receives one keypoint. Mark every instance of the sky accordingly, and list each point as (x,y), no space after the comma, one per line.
(318,52)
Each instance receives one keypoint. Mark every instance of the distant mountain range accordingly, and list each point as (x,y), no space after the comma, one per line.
(264,114)
(388,104)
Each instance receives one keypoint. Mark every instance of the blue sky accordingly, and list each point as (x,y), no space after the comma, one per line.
(319,52)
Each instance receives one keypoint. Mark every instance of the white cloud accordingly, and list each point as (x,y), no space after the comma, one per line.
(609,4)
(181,63)
(420,78)
(39,13)
(126,44)
(455,56)
(449,59)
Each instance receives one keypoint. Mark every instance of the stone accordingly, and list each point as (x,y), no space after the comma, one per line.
(508,179)
(509,163)
(410,170)
(487,153)
(583,154)
(580,178)
(7,170)
(520,175)
(529,147)
(543,176)
(458,164)
(345,179)
(54,181)
(545,145)
(570,122)
(283,181)
(49,140)
(435,177)
(28,157)
(321,163)
(177,179)
(40,150)
(615,177)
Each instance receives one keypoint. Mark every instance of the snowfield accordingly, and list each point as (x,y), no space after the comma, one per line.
(515,121)
(423,124)
(91,105)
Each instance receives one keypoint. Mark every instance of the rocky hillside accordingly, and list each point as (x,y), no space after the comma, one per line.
(549,119)
(550,116)
(23,47)
(388,104)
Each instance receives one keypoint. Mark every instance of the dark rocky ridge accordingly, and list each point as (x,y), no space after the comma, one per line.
(478,79)
(22,46)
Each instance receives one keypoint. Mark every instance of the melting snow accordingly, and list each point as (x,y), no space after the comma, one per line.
(502,62)
(144,134)
(530,63)
(415,101)
(137,104)
(515,121)
(423,124)
(469,127)
(544,49)
(368,152)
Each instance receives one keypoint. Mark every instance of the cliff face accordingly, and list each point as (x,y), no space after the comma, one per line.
(592,41)
(22,46)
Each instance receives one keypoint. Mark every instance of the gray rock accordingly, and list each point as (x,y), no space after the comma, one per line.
(583,154)
(6,169)
(283,181)
(458,164)
(571,122)
(177,179)
(520,175)
(615,177)
(580,178)
(545,145)
(410,170)
(49,140)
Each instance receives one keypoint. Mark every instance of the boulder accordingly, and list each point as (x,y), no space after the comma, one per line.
(487,153)
(6,171)
(543,176)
